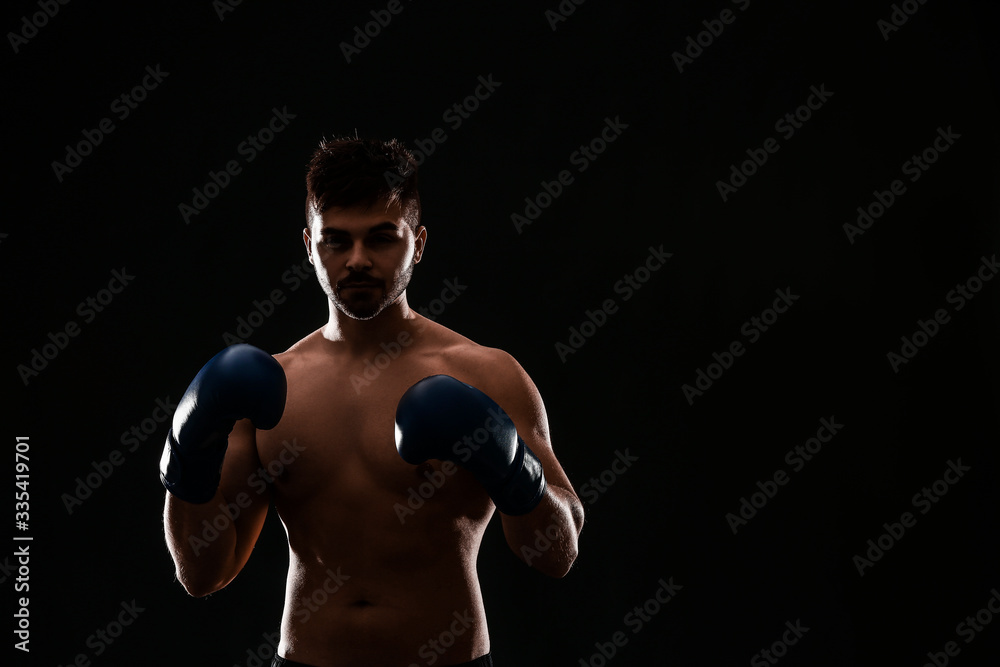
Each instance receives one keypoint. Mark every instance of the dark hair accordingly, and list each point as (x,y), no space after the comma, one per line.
(350,171)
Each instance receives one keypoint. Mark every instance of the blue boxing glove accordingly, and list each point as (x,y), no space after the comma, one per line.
(239,382)
(443,418)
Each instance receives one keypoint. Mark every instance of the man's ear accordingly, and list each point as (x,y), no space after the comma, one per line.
(419,242)
(307,239)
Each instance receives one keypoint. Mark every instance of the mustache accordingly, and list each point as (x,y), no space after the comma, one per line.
(359,279)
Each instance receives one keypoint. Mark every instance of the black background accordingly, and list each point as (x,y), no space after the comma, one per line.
(655,185)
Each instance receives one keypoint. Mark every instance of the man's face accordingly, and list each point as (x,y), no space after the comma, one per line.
(364,258)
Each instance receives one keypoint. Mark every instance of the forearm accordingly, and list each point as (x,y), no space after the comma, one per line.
(546,538)
(202,541)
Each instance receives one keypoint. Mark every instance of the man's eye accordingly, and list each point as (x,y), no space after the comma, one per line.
(333,243)
(383,238)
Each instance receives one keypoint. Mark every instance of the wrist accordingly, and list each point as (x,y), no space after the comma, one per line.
(524,486)
(191,475)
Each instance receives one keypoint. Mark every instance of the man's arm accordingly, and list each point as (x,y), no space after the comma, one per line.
(209,547)
(559,516)
(212,518)
(443,417)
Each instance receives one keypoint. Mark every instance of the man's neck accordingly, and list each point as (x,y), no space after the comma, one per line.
(361,337)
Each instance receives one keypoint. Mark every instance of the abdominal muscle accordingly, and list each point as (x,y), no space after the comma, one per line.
(365,589)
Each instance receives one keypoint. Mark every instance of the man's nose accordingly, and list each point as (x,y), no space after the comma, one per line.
(359,260)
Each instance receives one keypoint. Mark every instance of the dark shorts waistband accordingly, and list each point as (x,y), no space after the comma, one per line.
(483,661)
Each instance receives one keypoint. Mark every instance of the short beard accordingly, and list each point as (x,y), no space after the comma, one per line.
(387,300)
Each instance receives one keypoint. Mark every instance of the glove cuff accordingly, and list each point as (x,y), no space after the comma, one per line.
(525,487)
(192,477)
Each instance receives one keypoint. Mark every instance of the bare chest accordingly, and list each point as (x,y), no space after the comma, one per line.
(336,439)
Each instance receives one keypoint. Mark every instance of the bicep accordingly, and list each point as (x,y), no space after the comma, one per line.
(523,403)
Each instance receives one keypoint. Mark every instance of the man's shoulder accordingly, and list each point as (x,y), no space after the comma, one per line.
(498,374)
(483,358)
(461,350)
(301,350)
(489,369)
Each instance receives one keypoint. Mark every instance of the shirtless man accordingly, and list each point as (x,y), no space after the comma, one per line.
(371,581)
